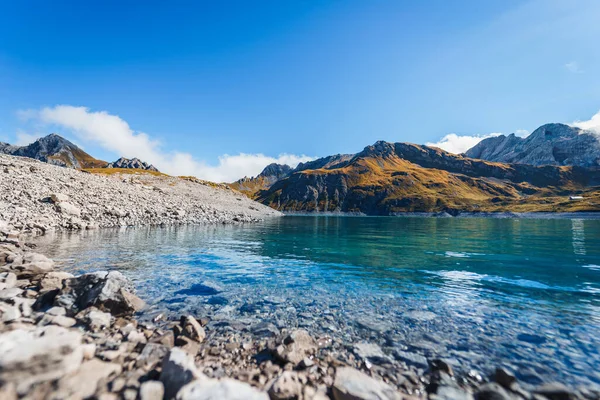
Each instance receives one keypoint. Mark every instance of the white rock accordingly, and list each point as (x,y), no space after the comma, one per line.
(9,312)
(152,390)
(68,209)
(59,197)
(39,355)
(83,383)
(7,280)
(223,389)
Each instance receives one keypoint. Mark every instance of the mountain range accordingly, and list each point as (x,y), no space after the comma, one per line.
(550,144)
(502,173)
(388,178)
(54,149)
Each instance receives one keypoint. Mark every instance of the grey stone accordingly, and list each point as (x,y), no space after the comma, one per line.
(95,319)
(152,354)
(296,346)
(60,320)
(451,393)
(411,359)
(555,391)
(108,291)
(192,328)
(371,352)
(492,391)
(351,384)
(286,387)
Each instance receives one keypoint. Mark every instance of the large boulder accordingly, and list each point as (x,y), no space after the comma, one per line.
(351,384)
(38,355)
(107,291)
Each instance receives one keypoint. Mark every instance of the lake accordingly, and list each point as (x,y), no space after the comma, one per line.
(480,292)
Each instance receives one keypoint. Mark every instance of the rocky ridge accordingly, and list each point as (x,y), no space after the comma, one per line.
(76,337)
(550,144)
(38,197)
(133,163)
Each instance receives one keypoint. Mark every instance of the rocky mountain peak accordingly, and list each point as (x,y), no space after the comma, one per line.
(550,144)
(276,170)
(54,149)
(380,148)
(132,163)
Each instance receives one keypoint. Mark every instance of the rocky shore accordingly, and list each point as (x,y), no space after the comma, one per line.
(37,197)
(79,337)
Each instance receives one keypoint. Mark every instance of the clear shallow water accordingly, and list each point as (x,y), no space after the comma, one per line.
(481,292)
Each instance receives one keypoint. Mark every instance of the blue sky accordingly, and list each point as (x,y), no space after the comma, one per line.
(208,80)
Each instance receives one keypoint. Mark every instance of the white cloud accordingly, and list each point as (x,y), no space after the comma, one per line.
(592,124)
(574,67)
(457,144)
(522,132)
(114,134)
(24,138)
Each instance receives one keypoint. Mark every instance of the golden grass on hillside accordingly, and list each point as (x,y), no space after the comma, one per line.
(203,182)
(394,185)
(128,171)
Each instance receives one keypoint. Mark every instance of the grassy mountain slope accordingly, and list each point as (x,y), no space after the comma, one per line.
(388,178)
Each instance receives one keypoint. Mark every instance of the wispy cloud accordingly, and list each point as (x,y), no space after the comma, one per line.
(592,124)
(574,67)
(24,138)
(114,134)
(458,144)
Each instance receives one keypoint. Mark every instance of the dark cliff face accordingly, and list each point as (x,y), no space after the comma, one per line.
(133,163)
(54,149)
(550,144)
(386,178)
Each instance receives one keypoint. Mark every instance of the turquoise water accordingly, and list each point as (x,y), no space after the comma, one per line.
(480,292)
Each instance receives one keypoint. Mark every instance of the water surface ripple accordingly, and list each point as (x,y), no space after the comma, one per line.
(480,292)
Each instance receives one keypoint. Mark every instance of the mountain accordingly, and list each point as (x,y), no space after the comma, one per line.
(550,144)
(133,163)
(388,178)
(275,172)
(56,150)
(271,174)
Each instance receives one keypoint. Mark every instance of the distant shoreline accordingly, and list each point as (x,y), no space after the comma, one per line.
(502,215)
